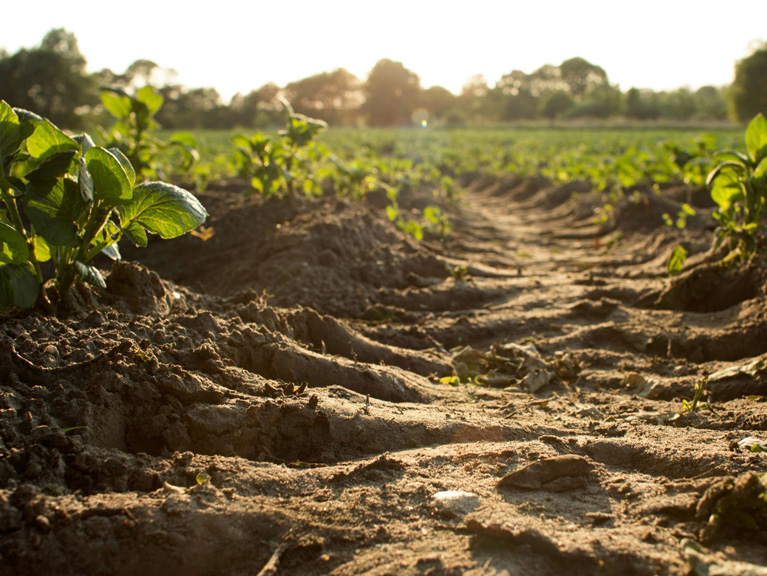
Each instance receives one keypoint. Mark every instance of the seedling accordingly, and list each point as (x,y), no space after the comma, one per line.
(133,135)
(699,392)
(681,217)
(738,185)
(458,273)
(276,165)
(66,200)
(676,261)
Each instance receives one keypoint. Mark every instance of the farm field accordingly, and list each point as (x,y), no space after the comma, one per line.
(304,387)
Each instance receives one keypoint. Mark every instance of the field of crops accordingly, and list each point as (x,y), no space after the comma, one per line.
(607,155)
(536,350)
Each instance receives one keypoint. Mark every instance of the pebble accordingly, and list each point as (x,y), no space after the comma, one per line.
(456,503)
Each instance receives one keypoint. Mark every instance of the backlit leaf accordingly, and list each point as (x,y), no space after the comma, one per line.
(18,286)
(13,246)
(117,102)
(48,140)
(162,209)
(677,260)
(110,182)
(150,98)
(756,138)
(9,130)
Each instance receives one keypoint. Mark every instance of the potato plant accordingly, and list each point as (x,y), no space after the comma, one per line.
(738,185)
(65,200)
(133,133)
(283,163)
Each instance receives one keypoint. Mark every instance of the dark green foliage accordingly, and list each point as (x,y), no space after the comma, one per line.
(748,92)
(50,79)
(66,200)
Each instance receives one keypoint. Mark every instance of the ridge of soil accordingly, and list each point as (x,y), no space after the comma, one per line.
(273,398)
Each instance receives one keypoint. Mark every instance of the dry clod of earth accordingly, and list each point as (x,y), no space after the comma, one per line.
(308,391)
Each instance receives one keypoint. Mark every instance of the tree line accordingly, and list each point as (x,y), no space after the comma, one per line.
(51,80)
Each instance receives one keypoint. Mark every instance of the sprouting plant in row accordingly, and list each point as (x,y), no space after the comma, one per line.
(433,220)
(738,185)
(133,133)
(65,200)
(276,165)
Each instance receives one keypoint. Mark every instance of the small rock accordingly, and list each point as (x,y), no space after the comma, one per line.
(456,503)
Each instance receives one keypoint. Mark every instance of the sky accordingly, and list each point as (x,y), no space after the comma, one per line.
(238,46)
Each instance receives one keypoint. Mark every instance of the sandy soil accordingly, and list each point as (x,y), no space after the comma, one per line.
(273,400)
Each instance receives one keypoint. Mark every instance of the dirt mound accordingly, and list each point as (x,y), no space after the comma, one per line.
(335,256)
(300,384)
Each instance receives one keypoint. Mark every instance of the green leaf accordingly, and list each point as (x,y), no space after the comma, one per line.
(85,142)
(761,169)
(13,246)
(53,167)
(18,286)
(186,138)
(756,138)
(43,250)
(85,181)
(677,260)
(241,141)
(135,233)
(110,182)
(90,274)
(726,188)
(54,211)
(162,209)
(150,98)
(731,156)
(117,102)
(48,140)
(111,251)
(9,130)
(125,163)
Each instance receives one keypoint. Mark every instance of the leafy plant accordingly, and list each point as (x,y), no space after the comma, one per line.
(699,396)
(676,261)
(434,220)
(738,185)
(133,135)
(277,164)
(681,217)
(66,200)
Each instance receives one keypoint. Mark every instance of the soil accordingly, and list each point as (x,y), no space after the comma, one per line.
(277,395)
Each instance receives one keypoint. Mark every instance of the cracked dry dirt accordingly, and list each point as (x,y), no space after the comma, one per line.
(183,422)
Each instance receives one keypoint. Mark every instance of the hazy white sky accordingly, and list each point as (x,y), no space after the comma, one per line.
(237,45)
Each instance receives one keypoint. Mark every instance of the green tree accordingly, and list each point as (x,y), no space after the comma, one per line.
(710,103)
(641,104)
(333,96)
(556,104)
(391,94)
(258,108)
(50,80)
(748,93)
(515,93)
(474,104)
(437,100)
(677,105)
(600,101)
(580,75)
(191,108)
